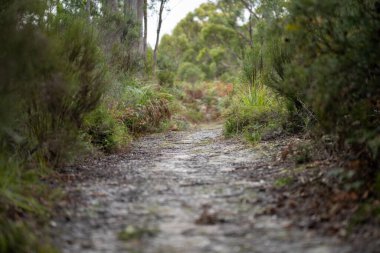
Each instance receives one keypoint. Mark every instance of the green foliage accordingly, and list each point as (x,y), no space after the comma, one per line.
(55,73)
(303,154)
(133,233)
(335,68)
(322,56)
(165,78)
(57,109)
(265,65)
(203,101)
(15,237)
(55,67)
(20,194)
(51,77)
(254,113)
(12,189)
(211,38)
(189,72)
(377,185)
(143,108)
(284,181)
(149,63)
(105,131)
(304,63)
(367,211)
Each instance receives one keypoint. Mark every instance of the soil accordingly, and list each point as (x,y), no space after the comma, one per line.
(190,191)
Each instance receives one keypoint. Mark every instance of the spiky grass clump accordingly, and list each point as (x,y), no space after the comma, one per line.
(253,113)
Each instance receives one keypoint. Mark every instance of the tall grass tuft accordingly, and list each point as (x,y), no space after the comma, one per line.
(254,112)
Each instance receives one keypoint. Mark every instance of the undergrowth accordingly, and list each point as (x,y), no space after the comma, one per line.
(25,207)
(67,88)
(202,101)
(255,113)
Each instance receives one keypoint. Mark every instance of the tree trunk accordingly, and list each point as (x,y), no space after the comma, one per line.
(140,20)
(145,26)
(126,7)
(161,10)
(88,7)
(140,10)
(111,6)
(250,27)
(130,7)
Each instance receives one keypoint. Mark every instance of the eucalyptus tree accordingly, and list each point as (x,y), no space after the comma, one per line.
(214,38)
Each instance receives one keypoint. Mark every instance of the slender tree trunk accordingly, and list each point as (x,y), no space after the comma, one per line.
(161,10)
(140,20)
(111,6)
(88,7)
(145,26)
(251,30)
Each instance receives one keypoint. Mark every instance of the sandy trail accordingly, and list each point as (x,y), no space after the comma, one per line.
(191,191)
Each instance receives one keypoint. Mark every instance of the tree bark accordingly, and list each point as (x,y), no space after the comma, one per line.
(126,7)
(160,12)
(250,27)
(130,8)
(88,7)
(145,26)
(111,6)
(140,20)
(140,10)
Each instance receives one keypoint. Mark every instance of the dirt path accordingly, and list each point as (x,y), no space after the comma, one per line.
(180,192)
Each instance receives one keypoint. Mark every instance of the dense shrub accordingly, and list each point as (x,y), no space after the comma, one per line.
(21,195)
(335,66)
(57,79)
(322,56)
(15,237)
(189,72)
(51,77)
(106,132)
(165,78)
(254,113)
(66,82)
(143,108)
